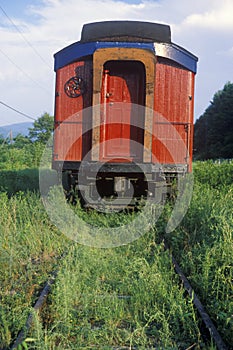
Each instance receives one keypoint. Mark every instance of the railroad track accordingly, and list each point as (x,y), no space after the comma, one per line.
(214,334)
(36,308)
(210,328)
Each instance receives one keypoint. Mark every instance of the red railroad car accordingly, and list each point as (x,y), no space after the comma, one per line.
(123,112)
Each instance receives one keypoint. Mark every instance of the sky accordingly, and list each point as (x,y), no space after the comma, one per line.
(31,31)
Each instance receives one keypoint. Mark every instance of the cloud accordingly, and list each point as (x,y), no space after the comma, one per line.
(27,80)
(217,18)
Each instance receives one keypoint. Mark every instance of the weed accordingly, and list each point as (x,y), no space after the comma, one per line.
(127,296)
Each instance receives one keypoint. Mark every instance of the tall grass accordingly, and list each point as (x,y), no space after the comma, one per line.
(29,246)
(204,242)
(127,296)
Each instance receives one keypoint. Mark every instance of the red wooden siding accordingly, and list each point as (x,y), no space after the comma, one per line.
(70,121)
(125,82)
(172,127)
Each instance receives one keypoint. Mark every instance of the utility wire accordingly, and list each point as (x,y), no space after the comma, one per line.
(15,64)
(24,38)
(17,111)
(25,73)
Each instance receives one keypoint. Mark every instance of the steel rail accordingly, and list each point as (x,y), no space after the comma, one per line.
(36,308)
(196,301)
(38,305)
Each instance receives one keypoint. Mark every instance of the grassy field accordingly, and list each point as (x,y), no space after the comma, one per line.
(203,243)
(120,297)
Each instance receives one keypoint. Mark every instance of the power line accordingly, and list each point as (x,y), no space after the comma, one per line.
(25,73)
(17,111)
(24,38)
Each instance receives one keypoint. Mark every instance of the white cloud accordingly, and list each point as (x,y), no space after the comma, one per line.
(203,27)
(218,17)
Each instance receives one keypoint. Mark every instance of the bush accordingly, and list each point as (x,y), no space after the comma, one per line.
(213,174)
(14,158)
(12,181)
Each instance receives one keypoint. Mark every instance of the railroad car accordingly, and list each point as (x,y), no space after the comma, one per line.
(124,100)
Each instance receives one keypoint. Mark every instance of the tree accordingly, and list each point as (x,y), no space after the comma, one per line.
(213,132)
(20,141)
(42,129)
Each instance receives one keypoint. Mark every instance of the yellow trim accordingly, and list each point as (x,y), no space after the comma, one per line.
(100,57)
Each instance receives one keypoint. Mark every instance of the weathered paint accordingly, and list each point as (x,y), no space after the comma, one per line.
(69,119)
(171,51)
(99,59)
(173,122)
(78,50)
(123,86)
(177,54)
(167,93)
(126,31)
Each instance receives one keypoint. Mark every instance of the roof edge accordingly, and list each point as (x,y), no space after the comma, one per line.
(126,31)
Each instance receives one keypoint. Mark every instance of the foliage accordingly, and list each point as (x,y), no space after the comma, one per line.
(15,157)
(213,132)
(20,141)
(42,129)
(123,297)
(26,151)
(29,246)
(203,244)
(116,298)
(215,175)
(13,181)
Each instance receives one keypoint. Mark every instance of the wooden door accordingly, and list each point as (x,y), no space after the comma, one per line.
(122,122)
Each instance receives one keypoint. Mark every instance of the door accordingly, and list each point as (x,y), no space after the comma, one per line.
(122,121)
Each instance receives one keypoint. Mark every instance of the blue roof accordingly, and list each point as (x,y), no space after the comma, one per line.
(79,49)
(177,54)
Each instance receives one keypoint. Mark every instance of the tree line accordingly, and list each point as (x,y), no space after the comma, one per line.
(213,131)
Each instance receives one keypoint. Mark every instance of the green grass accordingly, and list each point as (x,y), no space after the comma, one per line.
(125,296)
(212,174)
(203,243)
(29,246)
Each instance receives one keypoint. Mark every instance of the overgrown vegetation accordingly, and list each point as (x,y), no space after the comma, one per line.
(29,248)
(203,242)
(20,158)
(25,151)
(127,296)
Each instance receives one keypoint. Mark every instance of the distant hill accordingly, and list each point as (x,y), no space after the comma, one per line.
(19,128)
